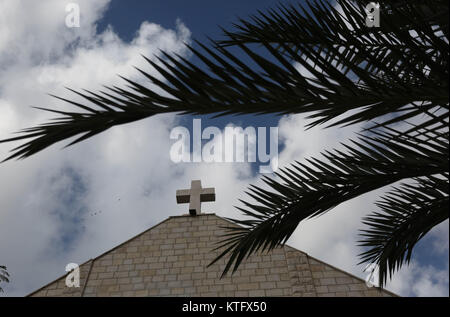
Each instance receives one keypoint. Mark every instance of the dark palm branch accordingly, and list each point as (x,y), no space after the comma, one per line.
(395,74)
(351,77)
(408,213)
(4,276)
(311,188)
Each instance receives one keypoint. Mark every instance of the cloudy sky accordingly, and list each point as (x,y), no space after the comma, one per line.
(63,206)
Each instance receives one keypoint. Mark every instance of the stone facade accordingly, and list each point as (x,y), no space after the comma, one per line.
(171,259)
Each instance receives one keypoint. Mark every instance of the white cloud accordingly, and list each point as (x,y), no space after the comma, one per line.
(48,202)
(68,206)
(439,234)
(421,280)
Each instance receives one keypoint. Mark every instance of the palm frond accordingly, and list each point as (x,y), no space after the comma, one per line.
(312,188)
(352,78)
(407,213)
(4,276)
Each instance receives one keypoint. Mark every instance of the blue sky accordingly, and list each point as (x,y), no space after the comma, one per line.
(205,20)
(50,203)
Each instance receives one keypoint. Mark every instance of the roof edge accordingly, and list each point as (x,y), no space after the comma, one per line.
(201,215)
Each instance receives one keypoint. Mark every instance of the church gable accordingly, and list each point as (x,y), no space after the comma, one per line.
(171,259)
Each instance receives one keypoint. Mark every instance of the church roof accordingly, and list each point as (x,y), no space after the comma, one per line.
(171,258)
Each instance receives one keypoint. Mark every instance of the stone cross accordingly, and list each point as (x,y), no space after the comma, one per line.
(195,196)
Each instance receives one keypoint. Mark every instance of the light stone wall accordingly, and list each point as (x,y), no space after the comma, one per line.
(171,259)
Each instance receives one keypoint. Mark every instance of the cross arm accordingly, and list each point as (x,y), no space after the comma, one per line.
(183,196)
(208,194)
